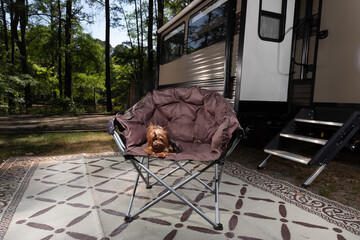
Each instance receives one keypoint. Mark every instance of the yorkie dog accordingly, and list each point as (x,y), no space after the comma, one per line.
(158,142)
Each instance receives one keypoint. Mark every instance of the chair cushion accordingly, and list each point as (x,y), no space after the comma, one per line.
(200,121)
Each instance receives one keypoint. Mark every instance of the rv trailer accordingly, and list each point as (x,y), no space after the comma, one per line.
(241,49)
(268,57)
(297,60)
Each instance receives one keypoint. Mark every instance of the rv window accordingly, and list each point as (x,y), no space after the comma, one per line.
(208,26)
(173,44)
(272,21)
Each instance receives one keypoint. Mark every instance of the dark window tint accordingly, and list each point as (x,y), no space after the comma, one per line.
(208,26)
(173,44)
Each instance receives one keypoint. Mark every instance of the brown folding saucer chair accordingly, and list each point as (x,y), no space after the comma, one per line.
(200,124)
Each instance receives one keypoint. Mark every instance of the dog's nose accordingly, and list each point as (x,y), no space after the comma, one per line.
(155,144)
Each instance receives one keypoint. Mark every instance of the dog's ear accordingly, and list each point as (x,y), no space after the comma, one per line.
(151,127)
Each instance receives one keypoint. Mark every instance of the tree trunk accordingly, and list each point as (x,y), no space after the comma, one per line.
(94,99)
(160,23)
(21,13)
(13,32)
(59,50)
(150,47)
(53,13)
(68,57)
(23,51)
(11,102)
(160,19)
(141,56)
(139,85)
(6,39)
(107,57)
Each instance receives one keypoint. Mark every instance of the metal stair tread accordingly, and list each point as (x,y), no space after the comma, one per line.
(304,138)
(329,123)
(288,155)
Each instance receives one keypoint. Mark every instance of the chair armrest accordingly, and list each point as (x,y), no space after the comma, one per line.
(239,133)
(111,127)
(111,130)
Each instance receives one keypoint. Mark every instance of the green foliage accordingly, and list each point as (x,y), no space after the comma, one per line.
(47,83)
(89,67)
(42,45)
(89,87)
(88,58)
(12,86)
(88,54)
(121,84)
(123,70)
(171,8)
(66,104)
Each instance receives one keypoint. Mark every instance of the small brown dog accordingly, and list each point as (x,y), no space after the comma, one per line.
(158,142)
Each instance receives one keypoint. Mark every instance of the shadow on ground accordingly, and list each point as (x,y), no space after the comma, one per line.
(339,181)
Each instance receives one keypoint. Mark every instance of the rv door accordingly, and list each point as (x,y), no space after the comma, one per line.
(267,50)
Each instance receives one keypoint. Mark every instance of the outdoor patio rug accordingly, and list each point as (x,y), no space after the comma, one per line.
(86,196)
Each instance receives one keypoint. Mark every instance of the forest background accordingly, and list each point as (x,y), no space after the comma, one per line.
(49,64)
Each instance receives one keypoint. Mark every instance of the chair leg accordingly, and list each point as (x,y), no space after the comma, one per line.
(169,173)
(148,185)
(221,170)
(128,217)
(134,162)
(198,179)
(217,215)
(173,190)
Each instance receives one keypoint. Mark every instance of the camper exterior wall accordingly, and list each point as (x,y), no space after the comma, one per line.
(265,74)
(204,67)
(204,64)
(338,64)
(265,62)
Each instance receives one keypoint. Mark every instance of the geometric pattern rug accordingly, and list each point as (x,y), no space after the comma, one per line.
(85,196)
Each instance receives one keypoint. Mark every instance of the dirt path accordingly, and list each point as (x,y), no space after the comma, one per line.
(54,123)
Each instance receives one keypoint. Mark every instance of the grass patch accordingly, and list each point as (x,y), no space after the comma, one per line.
(47,144)
(327,190)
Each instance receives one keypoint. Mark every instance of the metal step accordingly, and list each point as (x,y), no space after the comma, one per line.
(288,155)
(328,123)
(304,138)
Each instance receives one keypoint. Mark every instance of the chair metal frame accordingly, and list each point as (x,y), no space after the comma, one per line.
(139,165)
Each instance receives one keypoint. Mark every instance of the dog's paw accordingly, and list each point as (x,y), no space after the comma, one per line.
(148,151)
(161,155)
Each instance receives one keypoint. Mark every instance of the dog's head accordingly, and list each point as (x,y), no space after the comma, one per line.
(157,138)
